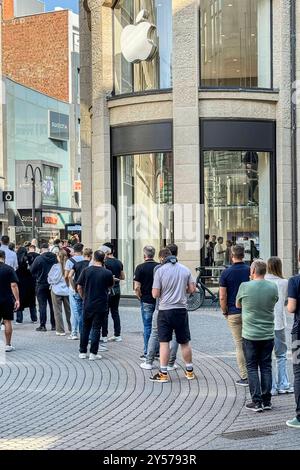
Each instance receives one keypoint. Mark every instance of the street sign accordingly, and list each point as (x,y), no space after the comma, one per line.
(8,196)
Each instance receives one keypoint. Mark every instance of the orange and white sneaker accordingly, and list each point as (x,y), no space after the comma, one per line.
(190,374)
(159,377)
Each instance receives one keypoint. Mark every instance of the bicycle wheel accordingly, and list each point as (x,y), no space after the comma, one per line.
(195,300)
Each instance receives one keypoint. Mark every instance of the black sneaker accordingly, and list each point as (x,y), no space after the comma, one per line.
(41,328)
(142,356)
(159,377)
(268,406)
(254,407)
(53,328)
(242,382)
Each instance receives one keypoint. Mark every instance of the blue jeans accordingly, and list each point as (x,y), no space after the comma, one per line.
(76,304)
(147,315)
(153,344)
(281,381)
(258,355)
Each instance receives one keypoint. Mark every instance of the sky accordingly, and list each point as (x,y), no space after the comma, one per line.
(71,4)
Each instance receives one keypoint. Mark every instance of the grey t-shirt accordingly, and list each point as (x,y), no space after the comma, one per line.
(172,280)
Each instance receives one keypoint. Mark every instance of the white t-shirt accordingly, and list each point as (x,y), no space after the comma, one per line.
(279,310)
(10,257)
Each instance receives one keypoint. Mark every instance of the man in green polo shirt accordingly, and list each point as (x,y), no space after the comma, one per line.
(257,299)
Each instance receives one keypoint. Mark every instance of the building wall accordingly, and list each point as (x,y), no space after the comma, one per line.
(8,9)
(36,52)
(185,105)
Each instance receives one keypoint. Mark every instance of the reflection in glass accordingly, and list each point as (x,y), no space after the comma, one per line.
(144,207)
(237,200)
(236,43)
(152,75)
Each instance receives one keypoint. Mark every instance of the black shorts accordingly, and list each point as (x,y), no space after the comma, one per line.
(173,320)
(6,311)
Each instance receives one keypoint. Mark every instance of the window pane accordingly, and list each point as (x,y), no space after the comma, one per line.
(145,75)
(237,200)
(144,210)
(236,43)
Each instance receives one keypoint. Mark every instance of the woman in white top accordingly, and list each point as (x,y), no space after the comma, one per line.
(60,293)
(280,381)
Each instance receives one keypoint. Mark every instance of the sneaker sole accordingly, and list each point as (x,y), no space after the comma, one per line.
(159,381)
(190,378)
(292,425)
(255,411)
(242,385)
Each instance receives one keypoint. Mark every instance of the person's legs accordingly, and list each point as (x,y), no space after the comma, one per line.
(8,332)
(173,351)
(86,329)
(296,369)
(79,311)
(114,301)
(49,299)
(153,343)
(57,306)
(33,314)
(164,353)
(19,316)
(252,357)
(280,349)
(42,301)
(265,366)
(74,314)
(66,303)
(95,339)
(235,325)
(147,315)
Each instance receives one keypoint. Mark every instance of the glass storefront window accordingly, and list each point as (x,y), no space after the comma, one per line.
(142,76)
(237,201)
(144,207)
(236,43)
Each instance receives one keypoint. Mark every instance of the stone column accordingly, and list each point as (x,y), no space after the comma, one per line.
(85,122)
(186,130)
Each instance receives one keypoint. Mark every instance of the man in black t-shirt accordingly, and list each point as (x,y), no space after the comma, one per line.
(116,267)
(9,298)
(93,286)
(143,280)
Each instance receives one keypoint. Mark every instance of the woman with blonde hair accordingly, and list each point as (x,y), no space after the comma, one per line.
(274,274)
(60,293)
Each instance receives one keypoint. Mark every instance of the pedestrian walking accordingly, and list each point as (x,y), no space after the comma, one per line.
(40,270)
(230,281)
(10,256)
(143,281)
(9,299)
(26,287)
(153,344)
(172,282)
(281,383)
(60,293)
(257,299)
(93,286)
(117,269)
(75,299)
(294,307)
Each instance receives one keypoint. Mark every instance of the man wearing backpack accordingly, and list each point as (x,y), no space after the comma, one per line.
(75,299)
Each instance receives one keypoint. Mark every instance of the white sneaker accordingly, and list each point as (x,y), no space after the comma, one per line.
(94,357)
(174,367)
(73,337)
(60,334)
(9,348)
(103,349)
(82,356)
(103,339)
(146,366)
(2,327)
(115,338)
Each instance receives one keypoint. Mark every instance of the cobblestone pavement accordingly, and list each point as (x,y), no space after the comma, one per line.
(50,399)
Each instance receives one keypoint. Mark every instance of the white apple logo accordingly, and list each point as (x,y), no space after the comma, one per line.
(136,42)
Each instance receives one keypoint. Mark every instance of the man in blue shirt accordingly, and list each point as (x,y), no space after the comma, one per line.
(230,281)
(294,307)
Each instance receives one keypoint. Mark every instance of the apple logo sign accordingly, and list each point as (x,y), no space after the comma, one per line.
(136,40)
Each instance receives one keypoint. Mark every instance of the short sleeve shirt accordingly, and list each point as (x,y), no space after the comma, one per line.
(144,275)
(231,279)
(7,277)
(172,280)
(95,282)
(294,293)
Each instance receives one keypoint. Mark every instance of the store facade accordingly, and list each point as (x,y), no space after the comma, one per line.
(186,126)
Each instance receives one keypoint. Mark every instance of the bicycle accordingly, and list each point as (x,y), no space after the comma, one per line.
(196,300)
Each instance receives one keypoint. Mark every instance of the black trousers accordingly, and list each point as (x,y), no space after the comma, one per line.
(296,369)
(44,296)
(113,307)
(91,322)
